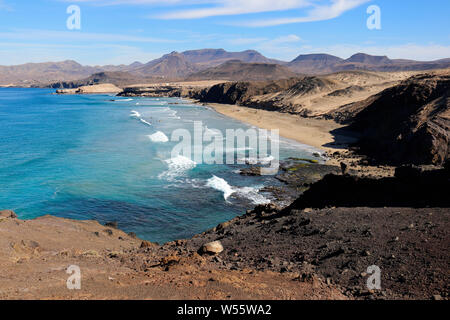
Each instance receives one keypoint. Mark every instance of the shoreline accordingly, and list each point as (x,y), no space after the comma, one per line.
(316,133)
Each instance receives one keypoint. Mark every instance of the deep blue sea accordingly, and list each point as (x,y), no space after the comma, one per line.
(106,158)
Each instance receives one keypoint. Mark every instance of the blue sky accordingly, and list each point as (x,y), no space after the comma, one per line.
(123,31)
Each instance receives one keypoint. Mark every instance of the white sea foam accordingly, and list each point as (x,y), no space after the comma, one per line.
(135,114)
(177,166)
(221,185)
(145,121)
(251,193)
(158,137)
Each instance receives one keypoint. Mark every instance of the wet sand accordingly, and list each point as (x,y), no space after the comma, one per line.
(313,132)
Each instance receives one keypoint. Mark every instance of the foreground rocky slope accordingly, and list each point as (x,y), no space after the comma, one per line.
(399,224)
(35,254)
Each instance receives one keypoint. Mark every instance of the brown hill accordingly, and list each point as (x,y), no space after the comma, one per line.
(314,63)
(117,78)
(236,70)
(308,96)
(213,57)
(408,123)
(31,73)
(170,66)
(177,66)
(323,63)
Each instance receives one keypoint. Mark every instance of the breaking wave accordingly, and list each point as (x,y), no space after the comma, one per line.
(177,166)
(158,137)
(250,193)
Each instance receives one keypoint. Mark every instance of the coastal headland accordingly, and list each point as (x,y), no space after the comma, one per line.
(364,207)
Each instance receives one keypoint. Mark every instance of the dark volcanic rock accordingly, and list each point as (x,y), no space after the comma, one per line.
(411,187)
(409,245)
(408,123)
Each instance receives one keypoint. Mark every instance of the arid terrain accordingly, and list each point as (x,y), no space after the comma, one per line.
(203,64)
(380,199)
(35,255)
(268,253)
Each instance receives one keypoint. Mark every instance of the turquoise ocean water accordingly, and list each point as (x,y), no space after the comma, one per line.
(106,158)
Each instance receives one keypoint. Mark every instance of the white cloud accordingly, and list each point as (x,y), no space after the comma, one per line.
(5,6)
(316,10)
(319,13)
(141,2)
(236,7)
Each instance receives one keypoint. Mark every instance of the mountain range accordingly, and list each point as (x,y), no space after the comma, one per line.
(207,64)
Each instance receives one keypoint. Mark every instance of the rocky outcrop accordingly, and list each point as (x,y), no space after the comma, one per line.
(117,78)
(410,187)
(269,95)
(8,214)
(408,123)
(99,88)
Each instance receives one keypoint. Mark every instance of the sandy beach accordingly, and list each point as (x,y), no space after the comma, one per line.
(313,132)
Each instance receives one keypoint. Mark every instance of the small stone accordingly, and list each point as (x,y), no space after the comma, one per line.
(214,247)
(437,297)
(8,214)
(344,168)
(112,224)
(223,226)
(132,235)
(147,244)
(170,260)
(307,210)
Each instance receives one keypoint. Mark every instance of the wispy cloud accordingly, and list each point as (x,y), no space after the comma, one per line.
(314,10)
(5,6)
(30,34)
(140,2)
(318,13)
(236,7)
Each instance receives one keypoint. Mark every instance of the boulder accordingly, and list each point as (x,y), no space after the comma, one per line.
(214,247)
(8,214)
(112,224)
(147,244)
